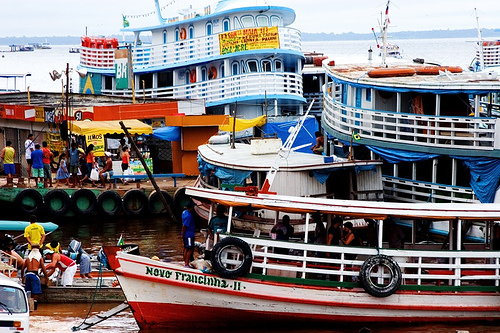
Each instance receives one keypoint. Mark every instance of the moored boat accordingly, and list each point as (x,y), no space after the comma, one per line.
(255,284)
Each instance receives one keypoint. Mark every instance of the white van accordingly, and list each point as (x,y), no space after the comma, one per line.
(14,309)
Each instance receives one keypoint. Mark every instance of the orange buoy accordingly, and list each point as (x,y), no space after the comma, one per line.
(182,34)
(212,73)
(391,72)
(434,70)
(192,76)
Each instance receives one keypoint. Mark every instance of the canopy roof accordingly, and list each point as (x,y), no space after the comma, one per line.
(109,127)
(242,124)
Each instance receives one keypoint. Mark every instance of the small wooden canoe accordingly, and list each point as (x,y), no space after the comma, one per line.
(391,72)
(434,70)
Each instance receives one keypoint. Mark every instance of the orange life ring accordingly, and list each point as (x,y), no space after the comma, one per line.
(182,33)
(192,76)
(391,72)
(212,73)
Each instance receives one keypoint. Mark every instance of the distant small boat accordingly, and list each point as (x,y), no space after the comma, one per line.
(74,50)
(21,48)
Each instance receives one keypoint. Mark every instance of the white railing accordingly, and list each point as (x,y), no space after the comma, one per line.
(176,53)
(222,89)
(415,129)
(318,101)
(418,267)
(408,190)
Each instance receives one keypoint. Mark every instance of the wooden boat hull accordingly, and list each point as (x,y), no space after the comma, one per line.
(169,295)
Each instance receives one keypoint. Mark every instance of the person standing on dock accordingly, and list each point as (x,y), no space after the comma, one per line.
(29,146)
(8,154)
(34,233)
(30,279)
(74,157)
(37,167)
(65,264)
(188,229)
(48,156)
(89,160)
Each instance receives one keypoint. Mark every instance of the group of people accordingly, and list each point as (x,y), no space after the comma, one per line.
(33,262)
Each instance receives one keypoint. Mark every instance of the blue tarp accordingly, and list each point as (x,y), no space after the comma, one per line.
(397,156)
(306,134)
(322,175)
(168,133)
(227,176)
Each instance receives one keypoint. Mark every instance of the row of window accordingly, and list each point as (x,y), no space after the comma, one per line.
(246,21)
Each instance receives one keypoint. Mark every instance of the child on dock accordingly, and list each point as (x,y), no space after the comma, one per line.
(62,172)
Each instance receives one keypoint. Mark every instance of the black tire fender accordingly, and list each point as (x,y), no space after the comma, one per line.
(155,203)
(57,202)
(135,202)
(235,244)
(180,200)
(85,196)
(390,266)
(29,201)
(109,198)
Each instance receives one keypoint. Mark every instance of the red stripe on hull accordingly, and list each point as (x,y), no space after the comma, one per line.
(162,315)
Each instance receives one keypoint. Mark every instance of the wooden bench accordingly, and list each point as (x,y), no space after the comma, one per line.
(158,175)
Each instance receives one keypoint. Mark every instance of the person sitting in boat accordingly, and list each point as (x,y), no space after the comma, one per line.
(395,235)
(283,231)
(54,246)
(81,257)
(218,223)
(65,264)
(318,148)
(350,237)
(7,245)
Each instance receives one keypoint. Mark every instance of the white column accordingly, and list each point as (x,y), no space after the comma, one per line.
(229,218)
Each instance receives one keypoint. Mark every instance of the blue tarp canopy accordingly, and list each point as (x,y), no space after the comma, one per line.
(167,133)
(306,134)
(227,176)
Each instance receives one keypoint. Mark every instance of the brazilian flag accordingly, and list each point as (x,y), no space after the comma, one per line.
(125,21)
(356,136)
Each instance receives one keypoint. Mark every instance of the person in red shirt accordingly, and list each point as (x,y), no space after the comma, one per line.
(65,264)
(47,157)
(125,160)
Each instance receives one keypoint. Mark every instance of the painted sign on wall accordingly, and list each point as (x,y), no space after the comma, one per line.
(249,39)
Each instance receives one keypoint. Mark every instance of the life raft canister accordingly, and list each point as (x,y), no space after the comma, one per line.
(212,73)
(182,33)
(192,76)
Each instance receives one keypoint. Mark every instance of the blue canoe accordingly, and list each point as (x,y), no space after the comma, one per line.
(21,225)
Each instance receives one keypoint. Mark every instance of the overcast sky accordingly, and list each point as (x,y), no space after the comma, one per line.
(103,17)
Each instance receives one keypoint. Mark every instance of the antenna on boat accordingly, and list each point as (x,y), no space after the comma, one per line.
(384,27)
(284,151)
(480,43)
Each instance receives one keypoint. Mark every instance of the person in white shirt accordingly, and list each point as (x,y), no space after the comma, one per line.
(29,146)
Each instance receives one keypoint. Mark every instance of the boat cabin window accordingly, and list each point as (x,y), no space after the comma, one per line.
(236,23)
(221,71)
(177,35)
(368,95)
(164,36)
(108,82)
(252,66)
(191,32)
(203,73)
(278,66)
(275,21)
(209,28)
(266,66)
(225,25)
(235,68)
(247,21)
(187,77)
(262,21)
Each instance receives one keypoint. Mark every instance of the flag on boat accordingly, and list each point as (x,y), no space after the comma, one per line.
(125,21)
(356,136)
(387,12)
(120,241)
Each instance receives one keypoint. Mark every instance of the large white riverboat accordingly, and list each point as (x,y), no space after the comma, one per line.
(242,52)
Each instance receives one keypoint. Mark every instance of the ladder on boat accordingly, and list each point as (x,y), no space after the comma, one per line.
(100,317)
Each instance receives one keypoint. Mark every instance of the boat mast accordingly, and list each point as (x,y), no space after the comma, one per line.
(384,34)
(480,43)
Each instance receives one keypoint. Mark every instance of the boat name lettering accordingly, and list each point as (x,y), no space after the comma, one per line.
(192,278)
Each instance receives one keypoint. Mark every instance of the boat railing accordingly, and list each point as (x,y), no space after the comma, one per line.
(409,190)
(8,264)
(318,101)
(234,87)
(176,53)
(454,132)
(421,269)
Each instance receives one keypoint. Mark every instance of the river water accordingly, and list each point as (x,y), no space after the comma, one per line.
(158,236)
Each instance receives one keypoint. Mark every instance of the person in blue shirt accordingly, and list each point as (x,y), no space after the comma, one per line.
(37,167)
(188,229)
(218,223)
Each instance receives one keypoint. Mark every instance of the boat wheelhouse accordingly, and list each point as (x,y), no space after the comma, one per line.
(436,130)
(243,53)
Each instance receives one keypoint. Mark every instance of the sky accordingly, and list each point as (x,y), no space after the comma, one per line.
(104,17)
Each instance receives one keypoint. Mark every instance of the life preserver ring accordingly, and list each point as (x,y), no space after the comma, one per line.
(83,202)
(192,76)
(29,201)
(212,73)
(218,257)
(57,202)
(372,286)
(135,202)
(109,203)
(182,34)
(155,203)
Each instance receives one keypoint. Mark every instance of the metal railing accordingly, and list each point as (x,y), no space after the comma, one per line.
(176,53)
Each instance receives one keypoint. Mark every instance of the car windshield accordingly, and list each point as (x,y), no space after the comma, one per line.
(12,299)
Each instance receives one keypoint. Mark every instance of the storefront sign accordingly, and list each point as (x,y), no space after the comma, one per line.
(122,69)
(249,39)
(98,141)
